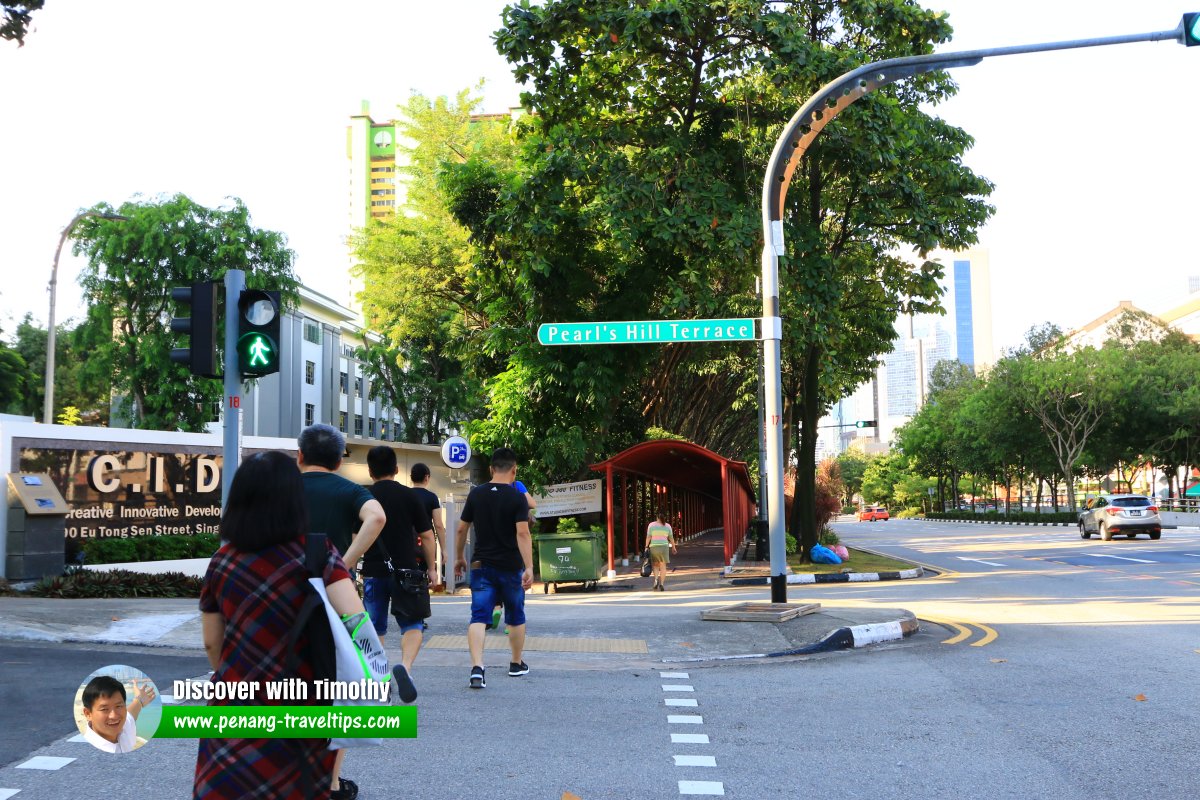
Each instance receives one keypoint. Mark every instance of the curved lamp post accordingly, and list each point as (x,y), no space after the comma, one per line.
(48,407)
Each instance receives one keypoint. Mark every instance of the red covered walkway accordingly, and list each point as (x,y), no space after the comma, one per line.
(698,489)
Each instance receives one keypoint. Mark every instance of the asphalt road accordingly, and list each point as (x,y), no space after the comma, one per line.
(1043,671)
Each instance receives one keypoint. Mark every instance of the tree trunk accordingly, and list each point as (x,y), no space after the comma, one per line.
(804,504)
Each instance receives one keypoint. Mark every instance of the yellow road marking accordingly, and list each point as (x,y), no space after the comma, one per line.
(964,631)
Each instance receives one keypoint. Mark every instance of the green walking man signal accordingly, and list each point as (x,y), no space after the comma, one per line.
(258,332)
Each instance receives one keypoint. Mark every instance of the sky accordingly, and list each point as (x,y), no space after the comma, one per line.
(1089,149)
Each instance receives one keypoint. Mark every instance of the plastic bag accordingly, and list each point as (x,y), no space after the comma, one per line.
(820,554)
(841,552)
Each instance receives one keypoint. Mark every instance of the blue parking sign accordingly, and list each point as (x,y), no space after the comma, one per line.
(456,452)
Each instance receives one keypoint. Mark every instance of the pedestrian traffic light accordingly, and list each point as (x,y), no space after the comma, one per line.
(200,356)
(258,332)
(1191,28)
(865,423)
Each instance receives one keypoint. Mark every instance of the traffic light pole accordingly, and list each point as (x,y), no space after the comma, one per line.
(793,142)
(235,282)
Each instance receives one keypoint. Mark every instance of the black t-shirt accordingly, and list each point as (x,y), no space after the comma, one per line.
(495,509)
(406,518)
(333,506)
(428,499)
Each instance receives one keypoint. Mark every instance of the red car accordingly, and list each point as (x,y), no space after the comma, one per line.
(873,514)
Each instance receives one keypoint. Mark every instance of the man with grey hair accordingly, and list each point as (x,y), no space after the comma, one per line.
(336,506)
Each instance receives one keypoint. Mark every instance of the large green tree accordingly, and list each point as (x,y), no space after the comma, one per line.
(131,267)
(71,387)
(636,196)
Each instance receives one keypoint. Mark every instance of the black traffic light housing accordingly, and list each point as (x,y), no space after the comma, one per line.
(865,423)
(200,356)
(1191,28)
(258,332)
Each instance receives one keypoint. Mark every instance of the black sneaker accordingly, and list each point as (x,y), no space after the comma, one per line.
(518,669)
(349,791)
(404,684)
(477,681)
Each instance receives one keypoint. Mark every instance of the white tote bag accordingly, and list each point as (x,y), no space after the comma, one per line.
(360,655)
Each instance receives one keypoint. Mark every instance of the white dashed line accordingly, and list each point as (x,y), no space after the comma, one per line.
(695,761)
(702,787)
(685,719)
(689,738)
(45,762)
(79,737)
(678,687)
(7,793)
(672,675)
(684,702)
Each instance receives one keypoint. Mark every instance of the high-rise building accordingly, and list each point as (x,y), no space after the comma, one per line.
(901,384)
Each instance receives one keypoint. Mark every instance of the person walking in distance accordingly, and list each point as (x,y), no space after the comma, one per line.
(336,506)
(660,541)
(406,520)
(420,477)
(503,565)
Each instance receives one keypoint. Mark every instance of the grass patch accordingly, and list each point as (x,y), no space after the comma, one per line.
(860,561)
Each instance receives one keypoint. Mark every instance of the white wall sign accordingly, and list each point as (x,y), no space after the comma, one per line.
(564,499)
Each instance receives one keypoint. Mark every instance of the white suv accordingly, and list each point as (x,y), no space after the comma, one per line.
(1128,514)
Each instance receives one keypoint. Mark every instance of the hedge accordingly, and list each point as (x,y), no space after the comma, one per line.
(149,548)
(1069,517)
(117,583)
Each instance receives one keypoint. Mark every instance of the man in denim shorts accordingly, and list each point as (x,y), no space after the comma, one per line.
(503,565)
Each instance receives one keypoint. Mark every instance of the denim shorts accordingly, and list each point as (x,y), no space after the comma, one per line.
(376,599)
(490,587)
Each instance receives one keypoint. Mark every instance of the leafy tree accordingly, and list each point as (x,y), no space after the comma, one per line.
(13,376)
(637,197)
(127,282)
(70,386)
(851,465)
(15,19)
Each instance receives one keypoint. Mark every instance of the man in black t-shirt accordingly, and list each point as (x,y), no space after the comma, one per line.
(503,567)
(420,476)
(406,520)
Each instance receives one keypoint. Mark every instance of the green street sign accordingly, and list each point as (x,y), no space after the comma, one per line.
(648,331)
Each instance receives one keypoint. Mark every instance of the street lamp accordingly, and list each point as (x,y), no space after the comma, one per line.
(48,407)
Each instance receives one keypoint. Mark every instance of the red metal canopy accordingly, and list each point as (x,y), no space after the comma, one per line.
(699,489)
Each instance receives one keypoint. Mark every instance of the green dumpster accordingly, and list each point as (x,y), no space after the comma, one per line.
(575,557)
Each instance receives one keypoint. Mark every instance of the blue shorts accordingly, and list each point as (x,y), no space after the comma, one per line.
(489,588)
(376,599)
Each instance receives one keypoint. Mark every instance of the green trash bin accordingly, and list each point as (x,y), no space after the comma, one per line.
(575,557)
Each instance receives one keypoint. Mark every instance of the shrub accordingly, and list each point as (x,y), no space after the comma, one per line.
(827,537)
(1068,517)
(117,583)
(907,513)
(790,545)
(150,548)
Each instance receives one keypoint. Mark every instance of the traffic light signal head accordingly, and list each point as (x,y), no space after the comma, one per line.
(1191,28)
(258,332)
(200,356)
(865,423)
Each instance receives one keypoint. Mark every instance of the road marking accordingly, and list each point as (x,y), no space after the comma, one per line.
(695,761)
(672,674)
(7,793)
(965,632)
(678,687)
(981,561)
(701,738)
(684,702)
(685,719)
(1123,558)
(702,787)
(45,762)
(1193,555)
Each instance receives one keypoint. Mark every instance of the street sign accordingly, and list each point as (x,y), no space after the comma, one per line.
(648,331)
(456,452)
